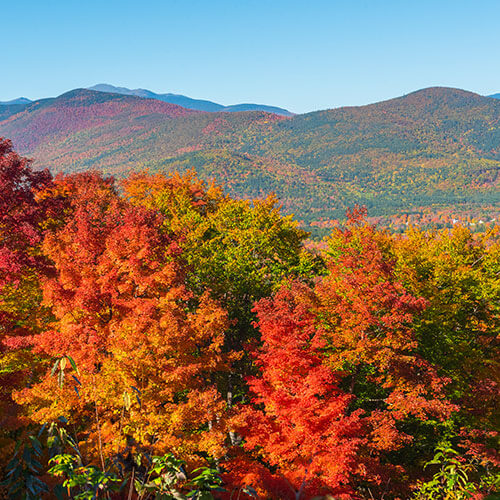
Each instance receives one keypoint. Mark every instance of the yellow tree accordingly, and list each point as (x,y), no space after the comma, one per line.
(458,274)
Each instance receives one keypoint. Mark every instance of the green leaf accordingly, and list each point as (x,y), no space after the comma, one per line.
(73,364)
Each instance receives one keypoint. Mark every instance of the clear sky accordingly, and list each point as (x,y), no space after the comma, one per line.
(301,55)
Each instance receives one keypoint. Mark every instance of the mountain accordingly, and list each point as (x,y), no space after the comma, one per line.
(495,96)
(76,114)
(431,149)
(188,102)
(19,100)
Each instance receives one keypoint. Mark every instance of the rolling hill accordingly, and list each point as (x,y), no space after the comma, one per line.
(188,102)
(437,147)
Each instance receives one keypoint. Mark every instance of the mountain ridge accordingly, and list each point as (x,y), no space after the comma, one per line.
(78,109)
(433,147)
(19,100)
(210,106)
(189,102)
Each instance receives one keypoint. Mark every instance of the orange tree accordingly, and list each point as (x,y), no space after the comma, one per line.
(135,354)
(304,439)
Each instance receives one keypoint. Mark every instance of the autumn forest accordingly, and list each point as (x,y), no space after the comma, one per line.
(431,156)
(160,338)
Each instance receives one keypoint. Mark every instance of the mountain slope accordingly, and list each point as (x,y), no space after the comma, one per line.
(9,108)
(433,146)
(437,147)
(188,102)
(432,122)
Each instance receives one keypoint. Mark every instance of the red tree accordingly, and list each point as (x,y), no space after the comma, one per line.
(23,214)
(299,422)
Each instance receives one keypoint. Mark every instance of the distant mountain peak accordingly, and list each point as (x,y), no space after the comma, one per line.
(189,102)
(440,91)
(85,97)
(104,87)
(76,93)
(432,98)
(19,100)
(441,95)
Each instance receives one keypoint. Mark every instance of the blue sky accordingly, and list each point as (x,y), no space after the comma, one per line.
(301,55)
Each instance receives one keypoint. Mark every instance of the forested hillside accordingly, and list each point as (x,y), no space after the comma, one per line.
(437,147)
(162,340)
